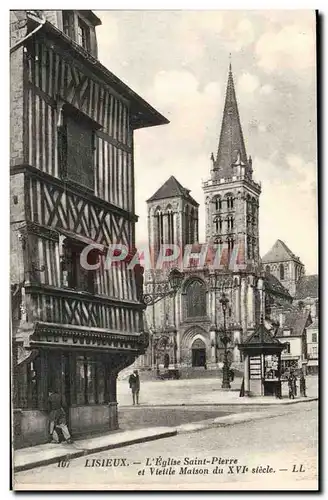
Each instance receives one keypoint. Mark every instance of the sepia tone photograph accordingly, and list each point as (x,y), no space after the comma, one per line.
(164,250)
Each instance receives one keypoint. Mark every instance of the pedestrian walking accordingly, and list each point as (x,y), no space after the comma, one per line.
(292,385)
(57,418)
(302,385)
(134,383)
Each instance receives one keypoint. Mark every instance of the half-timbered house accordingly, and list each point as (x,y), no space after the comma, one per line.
(72,184)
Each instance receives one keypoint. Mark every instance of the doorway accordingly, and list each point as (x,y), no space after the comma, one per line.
(166,360)
(198,350)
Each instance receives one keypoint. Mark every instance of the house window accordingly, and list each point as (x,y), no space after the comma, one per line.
(267,269)
(73,274)
(83,35)
(76,151)
(314,337)
(286,333)
(281,272)
(68,23)
(288,348)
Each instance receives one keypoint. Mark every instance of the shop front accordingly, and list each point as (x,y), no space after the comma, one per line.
(83,373)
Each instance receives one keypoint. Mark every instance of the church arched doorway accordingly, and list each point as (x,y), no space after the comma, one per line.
(198,350)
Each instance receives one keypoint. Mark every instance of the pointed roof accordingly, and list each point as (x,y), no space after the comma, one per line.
(172,189)
(279,253)
(296,321)
(273,285)
(262,340)
(262,336)
(307,287)
(231,145)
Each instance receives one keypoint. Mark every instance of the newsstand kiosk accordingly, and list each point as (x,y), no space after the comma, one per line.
(262,363)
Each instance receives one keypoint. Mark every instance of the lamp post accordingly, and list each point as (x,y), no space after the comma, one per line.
(225,339)
(175,279)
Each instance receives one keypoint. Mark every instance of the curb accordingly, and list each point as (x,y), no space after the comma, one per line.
(228,420)
(245,405)
(90,451)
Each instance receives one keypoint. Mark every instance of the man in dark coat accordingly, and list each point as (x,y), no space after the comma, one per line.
(292,387)
(302,385)
(57,418)
(134,383)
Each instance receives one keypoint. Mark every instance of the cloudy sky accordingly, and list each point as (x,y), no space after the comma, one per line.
(178,61)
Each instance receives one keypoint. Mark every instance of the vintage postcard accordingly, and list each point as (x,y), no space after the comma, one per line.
(164,256)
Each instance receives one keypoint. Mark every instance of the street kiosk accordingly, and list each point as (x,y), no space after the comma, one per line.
(262,363)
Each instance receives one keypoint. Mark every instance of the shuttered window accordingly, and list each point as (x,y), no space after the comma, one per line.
(76,151)
(79,160)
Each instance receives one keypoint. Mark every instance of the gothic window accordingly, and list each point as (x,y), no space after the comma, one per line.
(230,243)
(187,225)
(218,203)
(160,229)
(218,225)
(170,223)
(281,272)
(196,299)
(253,206)
(267,269)
(229,202)
(249,205)
(191,226)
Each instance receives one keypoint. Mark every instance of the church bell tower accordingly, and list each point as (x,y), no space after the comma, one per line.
(231,194)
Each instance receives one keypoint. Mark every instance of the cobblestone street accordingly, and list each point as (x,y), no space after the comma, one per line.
(195,391)
(280,444)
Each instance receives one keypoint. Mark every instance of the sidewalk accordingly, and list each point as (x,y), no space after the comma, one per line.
(46,454)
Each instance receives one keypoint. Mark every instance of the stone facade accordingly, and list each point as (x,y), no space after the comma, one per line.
(284,265)
(185,328)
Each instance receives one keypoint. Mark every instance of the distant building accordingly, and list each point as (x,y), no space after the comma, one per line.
(312,335)
(307,294)
(293,331)
(281,262)
(284,265)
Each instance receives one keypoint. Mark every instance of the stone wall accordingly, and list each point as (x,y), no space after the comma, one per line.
(93,418)
(31,427)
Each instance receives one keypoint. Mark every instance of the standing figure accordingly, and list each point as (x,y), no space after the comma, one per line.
(57,418)
(134,383)
(302,385)
(292,385)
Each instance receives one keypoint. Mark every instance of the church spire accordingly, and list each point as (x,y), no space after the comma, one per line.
(231,145)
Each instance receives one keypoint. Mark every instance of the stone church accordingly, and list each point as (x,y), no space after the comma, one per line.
(185,329)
